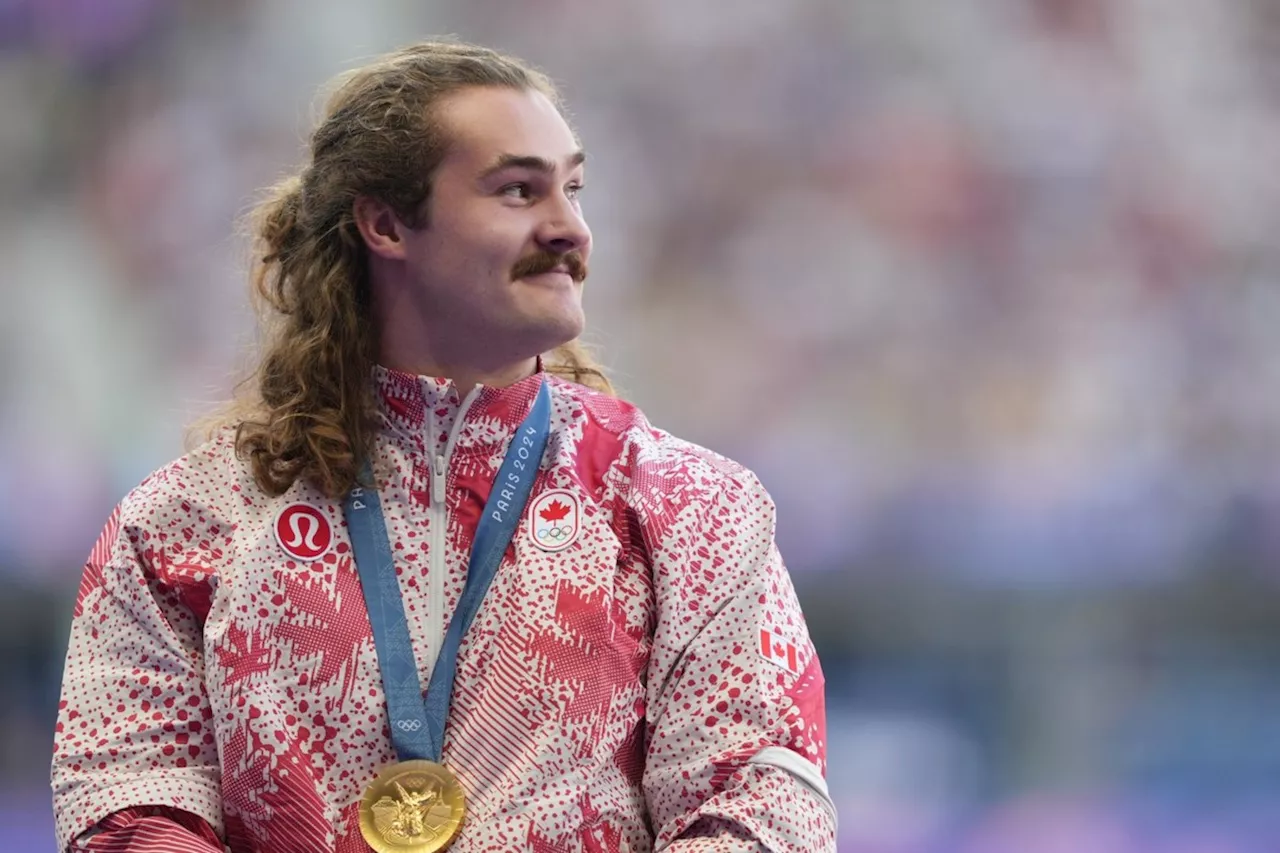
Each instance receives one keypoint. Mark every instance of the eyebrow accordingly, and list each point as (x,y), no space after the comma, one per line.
(529,161)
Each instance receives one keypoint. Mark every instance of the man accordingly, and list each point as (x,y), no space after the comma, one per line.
(431,492)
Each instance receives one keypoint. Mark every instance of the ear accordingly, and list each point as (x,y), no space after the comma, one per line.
(381,228)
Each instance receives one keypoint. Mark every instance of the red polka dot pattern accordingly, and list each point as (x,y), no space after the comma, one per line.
(609,695)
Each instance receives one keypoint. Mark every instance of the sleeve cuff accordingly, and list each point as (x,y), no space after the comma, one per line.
(81,810)
(804,771)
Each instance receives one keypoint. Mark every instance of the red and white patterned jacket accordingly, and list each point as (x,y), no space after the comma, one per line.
(648,685)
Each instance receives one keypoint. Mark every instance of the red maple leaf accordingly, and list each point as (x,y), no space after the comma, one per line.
(554,511)
(244,654)
(272,796)
(595,664)
(332,625)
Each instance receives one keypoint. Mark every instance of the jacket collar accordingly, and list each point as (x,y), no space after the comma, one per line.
(425,409)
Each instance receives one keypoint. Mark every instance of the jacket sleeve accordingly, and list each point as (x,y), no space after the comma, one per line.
(146,829)
(134,724)
(736,749)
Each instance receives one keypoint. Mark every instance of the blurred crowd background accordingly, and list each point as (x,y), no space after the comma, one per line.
(984,290)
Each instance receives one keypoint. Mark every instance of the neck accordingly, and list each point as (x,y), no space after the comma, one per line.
(464,377)
(408,344)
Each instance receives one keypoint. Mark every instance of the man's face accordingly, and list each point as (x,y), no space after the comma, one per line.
(497,268)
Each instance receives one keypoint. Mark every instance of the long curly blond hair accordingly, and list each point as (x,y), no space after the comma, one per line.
(308,408)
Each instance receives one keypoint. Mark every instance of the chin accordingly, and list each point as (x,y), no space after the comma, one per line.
(543,319)
(569,329)
(556,331)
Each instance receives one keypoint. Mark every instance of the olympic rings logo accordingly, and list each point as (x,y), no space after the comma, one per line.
(555,520)
(554,534)
(408,725)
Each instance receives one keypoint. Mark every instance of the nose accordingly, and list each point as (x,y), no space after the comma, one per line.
(564,229)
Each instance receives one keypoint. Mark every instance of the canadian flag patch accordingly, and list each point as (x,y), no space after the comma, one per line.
(776,649)
(554,519)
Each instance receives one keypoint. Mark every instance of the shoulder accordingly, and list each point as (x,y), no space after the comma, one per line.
(588,408)
(205,489)
(665,471)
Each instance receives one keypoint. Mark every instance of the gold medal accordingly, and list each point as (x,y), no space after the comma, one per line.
(412,807)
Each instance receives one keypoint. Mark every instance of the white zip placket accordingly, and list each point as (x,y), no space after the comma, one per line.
(439,517)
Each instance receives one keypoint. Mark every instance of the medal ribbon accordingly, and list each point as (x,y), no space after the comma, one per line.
(417,726)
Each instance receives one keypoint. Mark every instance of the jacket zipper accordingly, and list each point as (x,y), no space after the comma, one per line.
(439,519)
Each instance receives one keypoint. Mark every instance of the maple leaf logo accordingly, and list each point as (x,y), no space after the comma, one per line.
(554,511)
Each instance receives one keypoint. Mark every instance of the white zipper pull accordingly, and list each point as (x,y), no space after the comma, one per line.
(437,482)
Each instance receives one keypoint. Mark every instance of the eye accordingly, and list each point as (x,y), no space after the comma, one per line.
(574,190)
(518,190)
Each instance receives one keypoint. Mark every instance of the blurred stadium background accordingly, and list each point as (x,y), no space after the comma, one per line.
(985,290)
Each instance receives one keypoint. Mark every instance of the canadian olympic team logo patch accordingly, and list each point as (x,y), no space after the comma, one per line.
(555,519)
(303,532)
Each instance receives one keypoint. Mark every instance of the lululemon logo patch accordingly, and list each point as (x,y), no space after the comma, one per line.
(303,532)
(554,520)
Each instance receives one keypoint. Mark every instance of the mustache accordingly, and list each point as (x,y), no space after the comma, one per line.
(543,261)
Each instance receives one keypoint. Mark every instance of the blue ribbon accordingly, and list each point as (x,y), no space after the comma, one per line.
(417,726)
